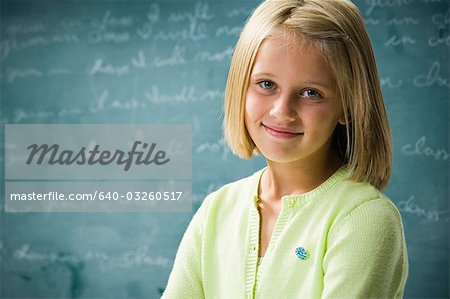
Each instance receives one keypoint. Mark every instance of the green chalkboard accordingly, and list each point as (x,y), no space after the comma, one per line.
(166,62)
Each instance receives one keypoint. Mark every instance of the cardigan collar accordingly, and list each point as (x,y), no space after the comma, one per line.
(299,200)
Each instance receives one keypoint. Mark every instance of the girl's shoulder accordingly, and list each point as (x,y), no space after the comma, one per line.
(350,197)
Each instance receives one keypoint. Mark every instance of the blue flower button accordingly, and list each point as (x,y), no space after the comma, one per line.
(301,253)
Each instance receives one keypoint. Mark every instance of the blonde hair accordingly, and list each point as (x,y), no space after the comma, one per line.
(336,28)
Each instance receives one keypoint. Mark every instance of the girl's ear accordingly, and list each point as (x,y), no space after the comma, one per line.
(342,121)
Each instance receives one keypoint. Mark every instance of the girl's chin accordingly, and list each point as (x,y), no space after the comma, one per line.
(280,156)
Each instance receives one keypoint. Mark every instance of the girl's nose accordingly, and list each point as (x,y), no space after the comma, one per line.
(282,109)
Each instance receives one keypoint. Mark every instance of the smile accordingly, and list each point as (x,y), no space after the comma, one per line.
(279,133)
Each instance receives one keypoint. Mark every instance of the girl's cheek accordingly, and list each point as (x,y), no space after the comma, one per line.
(257,110)
(251,105)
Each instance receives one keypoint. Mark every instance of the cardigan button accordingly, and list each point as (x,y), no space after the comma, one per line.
(255,201)
(291,202)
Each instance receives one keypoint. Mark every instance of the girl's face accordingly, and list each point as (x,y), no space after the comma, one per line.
(291,107)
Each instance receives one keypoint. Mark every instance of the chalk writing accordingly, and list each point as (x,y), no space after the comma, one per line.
(373,4)
(139,256)
(127,105)
(104,102)
(176,58)
(145,31)
(154,14)
(99,36)
(236,12)
(9,45)
(194,32)
(19,29)
(371,21)
(187,94)
(216,56)
(228,31)
(153,17)
(433,77)
(388,82)
(24,253)
(432,215)
(108,21)
(441,19)
(139,61)
(64,38)
(394,21)
(200,12)
(442,35)
(100,67)
(419,149)
(403,21)
(132,258)
(13,73)
(215,147)
(400,40)
(20,115)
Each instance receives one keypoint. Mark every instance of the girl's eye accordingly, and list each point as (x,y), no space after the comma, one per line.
(267,85)
(311,93)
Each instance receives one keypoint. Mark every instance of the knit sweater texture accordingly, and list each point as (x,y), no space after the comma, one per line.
(343,239)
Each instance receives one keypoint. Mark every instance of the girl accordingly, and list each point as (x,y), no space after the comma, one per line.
(303,91)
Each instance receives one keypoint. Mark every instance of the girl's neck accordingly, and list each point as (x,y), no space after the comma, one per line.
(282,179)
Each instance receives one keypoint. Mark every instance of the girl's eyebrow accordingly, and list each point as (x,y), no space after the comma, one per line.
(313,82)
(262,74)
(318,83)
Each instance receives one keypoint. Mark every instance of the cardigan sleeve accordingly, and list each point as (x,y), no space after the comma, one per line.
(366,254)
(185,280)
